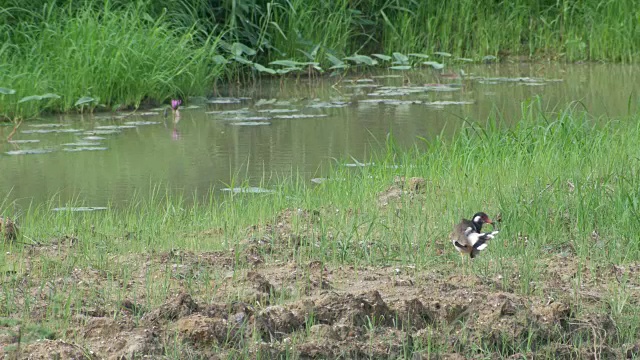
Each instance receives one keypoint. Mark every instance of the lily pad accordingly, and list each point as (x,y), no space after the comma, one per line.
(300,116)
(248,118)
(48,125)
(391,101)
(229,112)
(24,141)
(114,127)
(333,104)
(28,151)
(141,123)
(82,143)
(443,103)
(93,138)
(50,131)
(248,190)
(278,111)
(85,148)
(101,132)
(226,100)
(81,208)
(250,123)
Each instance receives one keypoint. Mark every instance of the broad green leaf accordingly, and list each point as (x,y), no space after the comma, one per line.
(5,91)
(339,66)
(382,57)
(84,100)
(220,60)
(50,96)
(263,69)
(441,53)
(436,65)
(400,58)
(287,70)
(242,60)
(464,59)
(424,56)
(334,60)
(400,67)
(238,49)
(288,63)
(362,59)
(38,97)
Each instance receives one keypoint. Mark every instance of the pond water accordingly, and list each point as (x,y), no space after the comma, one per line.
(271,129)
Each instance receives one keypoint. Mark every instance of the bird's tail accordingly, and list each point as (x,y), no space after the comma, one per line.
(481,244)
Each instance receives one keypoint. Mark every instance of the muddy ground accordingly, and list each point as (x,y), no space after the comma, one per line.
(251,302)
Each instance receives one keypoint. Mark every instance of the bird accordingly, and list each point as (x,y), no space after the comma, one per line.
(467,236)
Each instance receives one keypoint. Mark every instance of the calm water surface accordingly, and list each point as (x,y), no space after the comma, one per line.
(350,119)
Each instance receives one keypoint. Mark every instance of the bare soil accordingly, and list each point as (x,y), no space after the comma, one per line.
(213,308)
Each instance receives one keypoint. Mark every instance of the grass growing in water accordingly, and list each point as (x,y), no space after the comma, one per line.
(565,185)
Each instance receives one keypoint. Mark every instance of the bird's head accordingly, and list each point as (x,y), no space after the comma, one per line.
(480,219)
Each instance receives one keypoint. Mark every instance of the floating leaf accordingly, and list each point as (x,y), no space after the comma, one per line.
(28,152)
(362,59)
(436,65)
(424,56)
(250,123)
(382,57)
(5,91)
(84,100)
(38,97)
(400,58)
(84,148)
(400,67)
(464,59)
(443,54)
(264,69)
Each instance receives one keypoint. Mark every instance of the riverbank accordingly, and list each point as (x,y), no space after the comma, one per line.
(79,56)
(359,265)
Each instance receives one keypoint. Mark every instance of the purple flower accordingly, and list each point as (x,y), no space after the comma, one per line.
(175,104)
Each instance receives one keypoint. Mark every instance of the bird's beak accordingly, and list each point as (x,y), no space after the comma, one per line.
(489,221)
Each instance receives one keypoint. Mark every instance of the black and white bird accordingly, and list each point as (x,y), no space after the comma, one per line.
(467,236)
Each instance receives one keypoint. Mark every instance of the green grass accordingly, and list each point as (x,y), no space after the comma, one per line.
(117,57)
(123,54)
(565,184)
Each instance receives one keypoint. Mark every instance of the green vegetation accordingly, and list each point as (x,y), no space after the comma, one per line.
(565,184)
(88,53)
